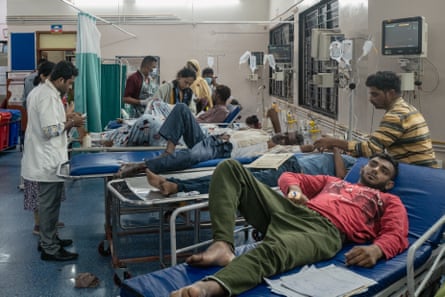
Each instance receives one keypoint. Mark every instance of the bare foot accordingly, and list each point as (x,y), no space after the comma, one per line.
(218,253)
(130,169)
(154,179)
(165,187)
(168,188)
(201,289)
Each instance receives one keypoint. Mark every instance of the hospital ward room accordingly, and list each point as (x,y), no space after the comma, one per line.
(213,148)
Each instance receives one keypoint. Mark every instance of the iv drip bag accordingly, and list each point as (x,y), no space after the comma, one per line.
(252,63)
(244,58)
(336,50)
(271,60)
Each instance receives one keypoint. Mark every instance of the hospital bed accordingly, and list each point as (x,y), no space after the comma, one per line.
(417,269)
(103,165)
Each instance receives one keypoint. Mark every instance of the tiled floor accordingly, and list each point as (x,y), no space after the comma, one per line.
(24,274)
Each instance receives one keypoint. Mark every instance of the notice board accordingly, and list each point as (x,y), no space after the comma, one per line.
(23,51)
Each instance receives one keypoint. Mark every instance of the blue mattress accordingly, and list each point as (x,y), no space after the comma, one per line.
(110,162)
(420,189)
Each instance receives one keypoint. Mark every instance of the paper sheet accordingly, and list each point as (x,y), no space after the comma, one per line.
(272,161)
(328,281)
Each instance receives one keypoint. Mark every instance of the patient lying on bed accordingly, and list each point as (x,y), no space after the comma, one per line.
(334,164)
(182,124)
(144,131)
(309,224)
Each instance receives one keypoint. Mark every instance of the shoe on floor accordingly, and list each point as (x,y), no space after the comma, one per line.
(62,242)
(61,255)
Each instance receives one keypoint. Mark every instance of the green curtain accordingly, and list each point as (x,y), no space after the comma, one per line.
(112,91)
(87,87)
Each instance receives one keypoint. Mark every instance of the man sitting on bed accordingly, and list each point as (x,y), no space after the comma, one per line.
(310,223)
(181,123)
(334,164)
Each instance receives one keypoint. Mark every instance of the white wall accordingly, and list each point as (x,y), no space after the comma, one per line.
(2,18)
(224,33)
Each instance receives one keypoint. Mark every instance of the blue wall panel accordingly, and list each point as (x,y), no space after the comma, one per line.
(23,51)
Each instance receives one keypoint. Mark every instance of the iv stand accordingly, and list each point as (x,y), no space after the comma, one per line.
(351,108)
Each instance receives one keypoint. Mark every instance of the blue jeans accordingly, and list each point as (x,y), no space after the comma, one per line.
(182,123)
(304,163)
(268,177)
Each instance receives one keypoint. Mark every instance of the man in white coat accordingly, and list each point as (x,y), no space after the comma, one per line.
(45,148)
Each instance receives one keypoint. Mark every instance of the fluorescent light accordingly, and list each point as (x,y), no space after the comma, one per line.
(211,3)
(195,3)
(155,3)
(96,3)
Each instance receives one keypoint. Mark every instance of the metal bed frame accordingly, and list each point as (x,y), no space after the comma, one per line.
(117,204)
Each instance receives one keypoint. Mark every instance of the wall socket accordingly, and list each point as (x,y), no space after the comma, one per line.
(252,77)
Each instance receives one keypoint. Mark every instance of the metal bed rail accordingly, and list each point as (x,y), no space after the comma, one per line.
(437,262)
(158,205)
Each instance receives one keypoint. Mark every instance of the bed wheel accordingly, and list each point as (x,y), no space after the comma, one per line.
(257,235)
(102,251)
(118,281)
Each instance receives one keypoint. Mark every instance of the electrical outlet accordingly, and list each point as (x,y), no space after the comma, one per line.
(252,77)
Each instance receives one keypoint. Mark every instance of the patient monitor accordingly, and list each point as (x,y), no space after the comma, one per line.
(405,36)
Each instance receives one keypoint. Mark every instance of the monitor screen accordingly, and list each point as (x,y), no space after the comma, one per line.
(402,36)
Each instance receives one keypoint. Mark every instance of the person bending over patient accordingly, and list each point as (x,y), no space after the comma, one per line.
(309,224)
(178,90)
(334,164)
(140,86)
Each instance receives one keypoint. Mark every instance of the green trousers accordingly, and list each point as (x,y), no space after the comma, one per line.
(293,235)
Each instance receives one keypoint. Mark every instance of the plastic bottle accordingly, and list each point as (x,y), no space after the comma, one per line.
(315,132)
(86,141)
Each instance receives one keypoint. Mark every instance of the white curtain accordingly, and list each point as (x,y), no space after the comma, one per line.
(87,94)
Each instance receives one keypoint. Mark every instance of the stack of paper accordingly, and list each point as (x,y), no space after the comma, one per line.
(271,161)
(328,281)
